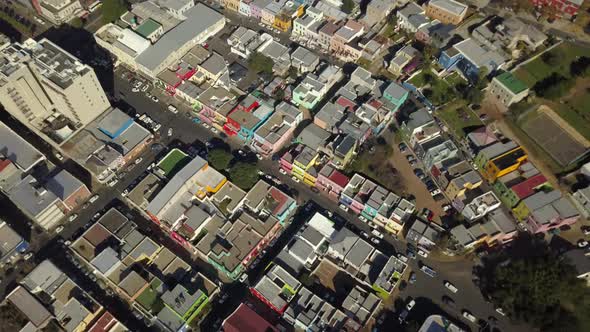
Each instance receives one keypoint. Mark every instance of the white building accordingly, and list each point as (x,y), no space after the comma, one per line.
(49,90)
(59,11)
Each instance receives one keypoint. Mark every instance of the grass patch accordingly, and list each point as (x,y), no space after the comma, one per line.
(15,24)
(173,162)
(576,112)
(538,69)
(457,117)
(376,166)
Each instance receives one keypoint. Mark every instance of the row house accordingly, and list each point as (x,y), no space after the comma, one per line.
(302,162)
(565,8)
(331,181)
(424,235)
(231,4)
(277,131)
(519,184)
(435,33)
(186,69)
(307,26)
(405,62)
(545,211)
(446,11)
(344,42)
(497,228)
(314,86)
(248,116)
(419,127)
(357,192)
(500,159)
(411,18)
(214,105)
(244,41)
(395,94)
(326,33)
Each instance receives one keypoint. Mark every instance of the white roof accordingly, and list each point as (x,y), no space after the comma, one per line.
(134,41)
(323,225)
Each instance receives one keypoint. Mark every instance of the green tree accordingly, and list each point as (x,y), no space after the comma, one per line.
(244,175)
(219,158)
(260,63)
(113,9)
(532,284)
(77,23)
(347,6)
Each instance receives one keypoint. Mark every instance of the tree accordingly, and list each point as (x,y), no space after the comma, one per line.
(260,63)
(244,175)
(113,9)
(532,284)
(347,6)
(219,158)
(77,23)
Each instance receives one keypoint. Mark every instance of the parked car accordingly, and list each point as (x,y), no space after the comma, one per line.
(412,278)
(138,160)
(155,99)
(59,229)
(582,243)
(343,207)
(450,287)
(402,258)
(295,179)
(377,233)
(423,253)
(410,158)
(403,147)
(410,305)
(586,230)
(72,217)
(469,316)
(172,109)
(94,198)
(364,234)
(375,240)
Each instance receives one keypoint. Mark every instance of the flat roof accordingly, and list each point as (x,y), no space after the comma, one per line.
(511,83)
(198,20)
(17,149)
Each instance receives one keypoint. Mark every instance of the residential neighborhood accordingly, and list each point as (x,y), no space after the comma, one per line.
(258,165)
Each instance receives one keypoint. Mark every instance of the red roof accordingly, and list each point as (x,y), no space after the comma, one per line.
(4,163)
(245,319)
(339,178)
(345,102)
(527,187)
(104,323)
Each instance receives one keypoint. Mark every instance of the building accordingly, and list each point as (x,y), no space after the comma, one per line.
(435,33)
(314,86)
(196,180)
(12,245)
(581,199)
(331,181)
(508,89)
(438,323)
(304,60)
(389,277)
(564,8)
(480,206)
(278,53)
(377,11)
(249,115)
(246,319)
(108,143)
(244,42)
(406,60)
(143,273)
(344,42)
(496,229)
(301,162)
(581,261)
(277,131)
(361,305)
(59,11)
(49,290)
(510,33)
(423,235)
(350,251)
(446,11)
(123,43)
(519,184)
(395,94)
(469,57)
(502,163)
(546,210)
(201,23)
(49,90)
(309,312)
(276,288)
(458,185)
(411,17)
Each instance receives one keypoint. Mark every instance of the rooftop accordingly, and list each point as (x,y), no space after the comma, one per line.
(246,319)
(511,83)
(451,6)
(17,149)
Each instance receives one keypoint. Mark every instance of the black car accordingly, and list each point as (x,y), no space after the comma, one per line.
(448,301)
(418,171)
(403,147)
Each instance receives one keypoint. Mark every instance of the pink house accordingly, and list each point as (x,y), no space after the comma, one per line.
(357,192)
(555,214)
(277,131)
(331,182)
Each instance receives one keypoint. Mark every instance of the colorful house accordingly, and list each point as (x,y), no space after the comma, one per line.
(503,164)
(276,289)
(396,94)
(468,57)
(519,184)
(181,307)
(545,211)
(277,131)
(331,182)
(357,192)
(213,105)
(248,116)
(301,162)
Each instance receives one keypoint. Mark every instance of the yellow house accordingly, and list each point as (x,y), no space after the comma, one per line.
(304,166)
(504,164)
(284,19)
(462,183)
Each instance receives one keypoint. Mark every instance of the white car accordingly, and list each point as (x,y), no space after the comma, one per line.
(282,171)
(125,193)
(469,316)
(155,99)
(364,234)
(377,233)
(172,109)
(582,244)
(259,156)
(113,182)
(410,305)
(135,90)
(59,156)
(450,287)
(59,229)
(402,258)
(72,217)
(329,213)
(295,179)
(142,117)
(157,127)
(214,130)
(343,207)
(243,278)
(423,253)
(145,87)
(375,240)
(94,198)
(138,160)
(500,311)
(206,125)
(169,132)
(28,256)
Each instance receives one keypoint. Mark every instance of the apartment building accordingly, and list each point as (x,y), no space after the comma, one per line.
(12,245)
(49,90)
(446,11)
(507,89)
(59,11)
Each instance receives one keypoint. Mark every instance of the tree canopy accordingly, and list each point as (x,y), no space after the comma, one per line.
(347,6)
(219,158)
(538,287)
(260,63)
(113,9)
(244,175)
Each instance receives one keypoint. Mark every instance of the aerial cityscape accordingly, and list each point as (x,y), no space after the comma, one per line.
(294,165)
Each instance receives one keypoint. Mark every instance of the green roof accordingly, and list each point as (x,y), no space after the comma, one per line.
(148,27)
(511,82)
(173,162)
(150,297)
